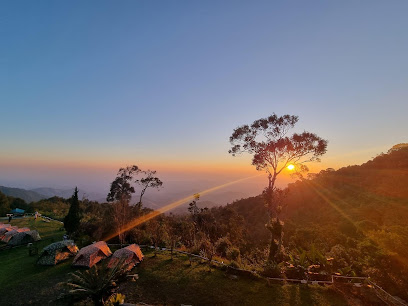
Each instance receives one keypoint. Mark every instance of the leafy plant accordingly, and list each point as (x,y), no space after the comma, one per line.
(95,283)
(115,300)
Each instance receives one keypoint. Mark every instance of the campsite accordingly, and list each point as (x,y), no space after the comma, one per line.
(161,280)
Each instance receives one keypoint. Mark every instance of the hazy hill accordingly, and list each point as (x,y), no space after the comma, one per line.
(374,193)
(357,213)
(27,195)
(67,193)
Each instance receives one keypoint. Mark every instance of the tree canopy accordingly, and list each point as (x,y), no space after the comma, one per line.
(73,218)
(272,149)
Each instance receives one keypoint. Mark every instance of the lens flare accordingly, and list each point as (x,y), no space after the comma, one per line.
(172,205)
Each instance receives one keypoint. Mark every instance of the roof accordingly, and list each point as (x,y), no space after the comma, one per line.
(18,211)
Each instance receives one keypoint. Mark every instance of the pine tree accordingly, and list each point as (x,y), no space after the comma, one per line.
(72,219)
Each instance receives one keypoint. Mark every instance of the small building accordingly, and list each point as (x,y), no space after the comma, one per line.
(18,212)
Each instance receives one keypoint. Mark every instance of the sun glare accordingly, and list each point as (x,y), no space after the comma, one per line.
(290,167)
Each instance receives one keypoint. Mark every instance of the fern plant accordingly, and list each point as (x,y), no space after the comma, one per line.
(95,283)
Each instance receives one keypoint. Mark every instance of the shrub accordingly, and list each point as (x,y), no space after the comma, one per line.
(222,245)
(233,254)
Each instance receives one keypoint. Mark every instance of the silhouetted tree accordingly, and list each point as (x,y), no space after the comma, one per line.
(73,218)
(272,151)
(150,181)
(158,232)
(120,194)
(4,204)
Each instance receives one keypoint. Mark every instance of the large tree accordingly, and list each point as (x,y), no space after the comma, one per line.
(4,205)
(120,194)
(149,181)
(73,218)
(272,150)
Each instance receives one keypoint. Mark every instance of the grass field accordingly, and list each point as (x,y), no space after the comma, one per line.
(162,281)
(23,282)
(174,282)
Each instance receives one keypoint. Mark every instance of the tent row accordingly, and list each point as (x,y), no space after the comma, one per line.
(89,255)
(12,235)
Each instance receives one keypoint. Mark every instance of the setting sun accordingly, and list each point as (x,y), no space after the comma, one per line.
(290,167)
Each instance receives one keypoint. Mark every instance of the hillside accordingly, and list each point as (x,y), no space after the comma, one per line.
(27,195)
(356,214)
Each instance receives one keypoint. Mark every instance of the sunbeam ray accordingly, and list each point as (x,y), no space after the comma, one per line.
(151,215)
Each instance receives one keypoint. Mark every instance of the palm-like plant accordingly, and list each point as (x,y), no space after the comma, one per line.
(95,283)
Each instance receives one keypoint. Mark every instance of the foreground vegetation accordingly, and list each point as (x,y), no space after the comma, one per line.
(161,280)
(174,282)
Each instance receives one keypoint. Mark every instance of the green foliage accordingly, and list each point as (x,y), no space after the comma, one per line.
(4,204)
(222,246)
(19,203)
(73,218)
(95,283)
(115,300)
(272,269)
(233,254)
(55,207)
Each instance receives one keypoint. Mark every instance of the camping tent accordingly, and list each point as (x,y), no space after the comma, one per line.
(57,252)
(7,236)
(131,255)
(4,230)
(24,238)
(8,232)
(92,254)
(23,229)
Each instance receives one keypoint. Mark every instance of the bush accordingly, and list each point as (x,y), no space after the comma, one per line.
(233,254)
(272,269)
(234,264)
(222,245)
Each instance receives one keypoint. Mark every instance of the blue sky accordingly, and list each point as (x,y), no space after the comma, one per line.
(164,83)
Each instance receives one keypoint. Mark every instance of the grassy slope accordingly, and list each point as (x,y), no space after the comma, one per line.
(163,281)
(22,282)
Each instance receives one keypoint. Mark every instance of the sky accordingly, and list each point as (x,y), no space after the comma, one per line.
(87,87)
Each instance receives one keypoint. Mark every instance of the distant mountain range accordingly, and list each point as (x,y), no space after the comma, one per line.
(27,195)
(153,200)
(37,194)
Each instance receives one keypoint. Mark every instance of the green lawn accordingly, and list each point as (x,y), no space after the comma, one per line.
(163,281)
(23,282)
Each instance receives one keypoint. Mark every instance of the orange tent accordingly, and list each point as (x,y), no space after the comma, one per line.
(131,255)
(7,232)
(3,231)
(92,254)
